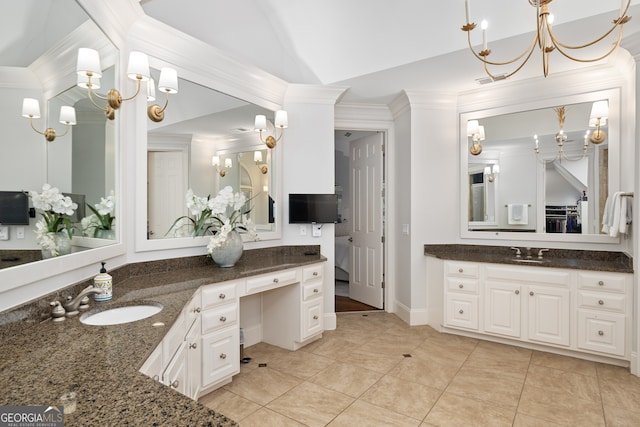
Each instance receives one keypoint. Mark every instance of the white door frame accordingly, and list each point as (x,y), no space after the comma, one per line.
(378,119)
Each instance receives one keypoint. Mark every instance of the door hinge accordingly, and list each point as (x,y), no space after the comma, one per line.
(382,239)
(383,284)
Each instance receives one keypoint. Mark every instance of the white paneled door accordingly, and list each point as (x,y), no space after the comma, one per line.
(167,186)
(367,254)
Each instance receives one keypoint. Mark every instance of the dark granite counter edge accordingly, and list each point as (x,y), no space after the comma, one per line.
(555,258)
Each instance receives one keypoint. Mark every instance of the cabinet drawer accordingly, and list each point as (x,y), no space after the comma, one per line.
(213,295)
(461,269)
(225,315)
(601,301)
(601,281)
(220,356)
(192,310)
(455,284)
(313,272)
(311,290)
(272,280)
(602,332)
(311,318)
(462,311)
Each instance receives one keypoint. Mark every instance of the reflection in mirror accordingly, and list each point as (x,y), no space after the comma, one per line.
(205,143)
(39,67)
(538,171)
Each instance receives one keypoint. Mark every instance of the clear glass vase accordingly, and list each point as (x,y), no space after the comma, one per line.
(105,234)
(227,254)
(55,244)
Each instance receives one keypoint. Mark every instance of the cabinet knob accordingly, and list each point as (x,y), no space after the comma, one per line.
(601,302)
(275,280)
(222,296)
(156,377)
(460,270)
(461,311)
(223,356)
(517,292)
(175,384)
(223,319)
(193,345)
(600,333)
(315,291)
(315,317)
(461,286)
(531,293)
(315,273)
(600,283)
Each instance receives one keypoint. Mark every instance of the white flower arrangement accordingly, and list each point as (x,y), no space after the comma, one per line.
(216,216)
(56,210)
(102,217)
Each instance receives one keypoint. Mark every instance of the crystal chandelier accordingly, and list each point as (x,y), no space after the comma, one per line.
(544,38)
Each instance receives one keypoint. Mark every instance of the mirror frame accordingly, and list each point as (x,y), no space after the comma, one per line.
(58,65)
(198,243)
(612,95)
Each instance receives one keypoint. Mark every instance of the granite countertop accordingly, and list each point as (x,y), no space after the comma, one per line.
(559,258)
(41,360)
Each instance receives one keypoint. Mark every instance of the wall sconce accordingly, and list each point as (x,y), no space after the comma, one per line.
(491,173)
(257,157)
(89,69)
(168,84)
(476,132)
(598,117)
(228,164)
(281,121)
(31,109)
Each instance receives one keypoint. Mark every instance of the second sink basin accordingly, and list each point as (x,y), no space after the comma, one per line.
(119,315)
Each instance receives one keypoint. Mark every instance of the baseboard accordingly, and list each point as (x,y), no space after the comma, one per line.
(411,316)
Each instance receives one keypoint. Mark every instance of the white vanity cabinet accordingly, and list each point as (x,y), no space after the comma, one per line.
(604,309)
(201,350)
(282,329)
(584,311)
(220,334)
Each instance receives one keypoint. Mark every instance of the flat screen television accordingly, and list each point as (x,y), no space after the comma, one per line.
(313,208)
(14,208)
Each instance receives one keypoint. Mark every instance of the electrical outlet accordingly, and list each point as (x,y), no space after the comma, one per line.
(303,230)
(4,232)
(19,232)
(316,230)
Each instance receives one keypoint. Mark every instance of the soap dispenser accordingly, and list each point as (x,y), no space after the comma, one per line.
(105,282)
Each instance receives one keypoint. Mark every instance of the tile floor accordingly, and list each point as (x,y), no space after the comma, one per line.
(361,374)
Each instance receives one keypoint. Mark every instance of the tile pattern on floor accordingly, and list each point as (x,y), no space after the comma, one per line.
(374,370)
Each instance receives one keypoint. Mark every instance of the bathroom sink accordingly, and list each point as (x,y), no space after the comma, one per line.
(119,315)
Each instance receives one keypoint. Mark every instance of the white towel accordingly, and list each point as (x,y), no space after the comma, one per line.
(518,214)
(616,214)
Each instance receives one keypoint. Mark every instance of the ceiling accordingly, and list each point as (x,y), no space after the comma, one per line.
(376,48)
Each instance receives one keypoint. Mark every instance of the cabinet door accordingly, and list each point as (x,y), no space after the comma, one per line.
(220,355)
(175,375)
(462,311)
(502,309)
(152,367)
(601,332)
(194,360)
(311,318)
(549,313)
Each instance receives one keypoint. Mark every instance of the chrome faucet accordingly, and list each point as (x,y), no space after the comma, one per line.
(518,253)
(541,251)
(81,301)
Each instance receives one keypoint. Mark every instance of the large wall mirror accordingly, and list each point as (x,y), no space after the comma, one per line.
(201,125)
(39,62)
(533,173)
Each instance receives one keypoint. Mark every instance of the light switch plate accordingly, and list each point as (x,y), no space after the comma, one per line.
(4,232)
